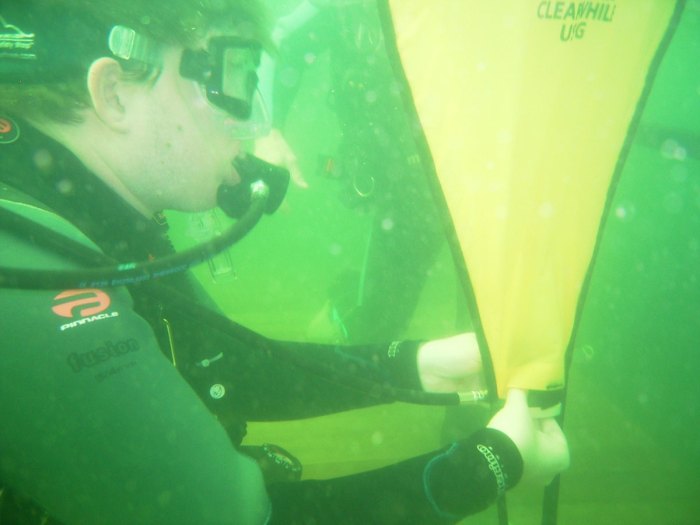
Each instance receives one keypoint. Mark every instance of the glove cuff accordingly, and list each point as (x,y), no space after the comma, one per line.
(472,473)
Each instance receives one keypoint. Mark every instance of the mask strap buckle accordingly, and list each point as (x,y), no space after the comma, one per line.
(127,44)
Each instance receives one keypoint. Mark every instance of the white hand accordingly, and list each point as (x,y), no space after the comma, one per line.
(273,148)
(452,364)
(541,442)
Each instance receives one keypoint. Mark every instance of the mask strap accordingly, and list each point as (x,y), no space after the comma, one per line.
(127,44)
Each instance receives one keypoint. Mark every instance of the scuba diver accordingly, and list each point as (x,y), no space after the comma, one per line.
(376,164)
(124,394)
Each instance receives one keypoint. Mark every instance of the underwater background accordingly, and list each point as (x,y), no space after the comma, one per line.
(356,253)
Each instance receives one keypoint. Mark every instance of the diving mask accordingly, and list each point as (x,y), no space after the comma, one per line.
(227,70)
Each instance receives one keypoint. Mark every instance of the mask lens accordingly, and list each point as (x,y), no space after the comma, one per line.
(238,76)
(257,125)
(228,72)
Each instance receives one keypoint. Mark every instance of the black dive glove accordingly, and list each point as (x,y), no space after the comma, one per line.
(469,475)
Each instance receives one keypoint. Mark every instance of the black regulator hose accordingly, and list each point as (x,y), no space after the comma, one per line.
(118,275)
(261,190)
(124,273)
(259,196)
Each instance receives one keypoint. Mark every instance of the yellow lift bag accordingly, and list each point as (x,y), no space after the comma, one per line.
(526,105)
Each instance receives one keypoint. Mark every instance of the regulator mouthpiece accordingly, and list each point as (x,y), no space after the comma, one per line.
(235,200)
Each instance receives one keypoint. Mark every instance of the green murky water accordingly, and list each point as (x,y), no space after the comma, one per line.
(331,266)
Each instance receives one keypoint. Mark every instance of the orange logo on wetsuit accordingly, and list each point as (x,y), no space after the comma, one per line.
(85,306)
(9,131)
(5,125)
(91,301)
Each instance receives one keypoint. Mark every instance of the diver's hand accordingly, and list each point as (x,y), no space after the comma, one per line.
(452,364)
(273,148)
(540,441)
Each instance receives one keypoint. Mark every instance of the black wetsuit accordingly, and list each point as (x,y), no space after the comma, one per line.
(98,426)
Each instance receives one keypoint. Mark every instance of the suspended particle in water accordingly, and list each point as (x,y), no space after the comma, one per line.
(64,186)
(546,210)
(672,149)
(505,136)
(377,438)
(310,58)
(625,211)
(388,224)
(43,159)
(335,249)
(588,352)
(395,88)
(643,398)
(501,212)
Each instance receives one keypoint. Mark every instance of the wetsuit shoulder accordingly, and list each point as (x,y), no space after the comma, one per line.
(98,426)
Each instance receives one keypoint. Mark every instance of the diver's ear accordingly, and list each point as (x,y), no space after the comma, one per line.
(105,82)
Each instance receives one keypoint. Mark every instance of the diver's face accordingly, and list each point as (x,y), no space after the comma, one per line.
(185,147)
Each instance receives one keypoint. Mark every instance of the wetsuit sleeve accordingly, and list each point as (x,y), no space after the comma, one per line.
(263,379)
(237,371)
(438,488)
(394,363)
(329,379)
(97,426)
